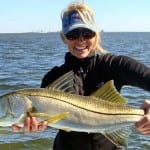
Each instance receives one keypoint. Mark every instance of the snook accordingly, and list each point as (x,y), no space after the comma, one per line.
(102,112)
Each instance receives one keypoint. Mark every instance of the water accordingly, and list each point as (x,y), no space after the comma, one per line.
(25,58)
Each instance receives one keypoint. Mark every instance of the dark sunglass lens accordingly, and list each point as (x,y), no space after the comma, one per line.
(88,34)
(73,35)
(76,33)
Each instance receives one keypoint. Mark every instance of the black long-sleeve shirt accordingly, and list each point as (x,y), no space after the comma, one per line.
(93,72)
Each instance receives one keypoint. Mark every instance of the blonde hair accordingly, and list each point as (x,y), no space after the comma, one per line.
(81,7)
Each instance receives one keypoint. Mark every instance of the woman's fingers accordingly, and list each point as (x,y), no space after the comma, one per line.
(31,125)
(146,106)
(143,126)
(34,124)
(16,128)
(27,125)
(43,125)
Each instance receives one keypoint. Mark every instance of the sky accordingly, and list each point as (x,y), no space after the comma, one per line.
(17,16)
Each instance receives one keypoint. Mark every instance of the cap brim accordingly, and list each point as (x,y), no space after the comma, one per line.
(75,26)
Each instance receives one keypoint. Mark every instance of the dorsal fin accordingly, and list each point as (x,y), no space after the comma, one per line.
(108,92)
(63,83)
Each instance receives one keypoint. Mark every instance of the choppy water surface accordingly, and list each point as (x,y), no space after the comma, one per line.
(25,58)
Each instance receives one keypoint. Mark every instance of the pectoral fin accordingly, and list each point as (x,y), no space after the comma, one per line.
(49,118)
(58,117)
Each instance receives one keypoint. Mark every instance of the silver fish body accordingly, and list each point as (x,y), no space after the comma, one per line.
(103,112)
(85,113)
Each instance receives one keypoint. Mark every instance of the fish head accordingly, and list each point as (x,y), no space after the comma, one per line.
(13,107)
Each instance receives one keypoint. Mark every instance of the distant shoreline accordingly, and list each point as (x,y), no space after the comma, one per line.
(59,32)
(29,32)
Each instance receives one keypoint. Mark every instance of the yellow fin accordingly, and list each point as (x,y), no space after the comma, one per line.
(108,92)
(119,137)
(50,119)
(65,129)
(58,117)
(44,115)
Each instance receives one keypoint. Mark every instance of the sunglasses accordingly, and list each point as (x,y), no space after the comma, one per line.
(76,33)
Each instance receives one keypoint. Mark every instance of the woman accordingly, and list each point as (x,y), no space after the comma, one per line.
(81,35)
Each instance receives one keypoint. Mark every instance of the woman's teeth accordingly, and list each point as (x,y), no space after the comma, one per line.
(80,47)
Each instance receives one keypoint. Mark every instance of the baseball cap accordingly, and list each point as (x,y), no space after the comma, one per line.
(73,21)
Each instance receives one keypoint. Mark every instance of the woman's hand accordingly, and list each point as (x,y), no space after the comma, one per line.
(143,126)
(31,125)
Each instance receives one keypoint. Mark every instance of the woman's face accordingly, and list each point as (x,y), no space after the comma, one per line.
(80,42)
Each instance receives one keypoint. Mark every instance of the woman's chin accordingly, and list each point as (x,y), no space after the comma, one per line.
(82,54)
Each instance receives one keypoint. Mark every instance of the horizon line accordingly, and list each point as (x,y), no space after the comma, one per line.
(102,31)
